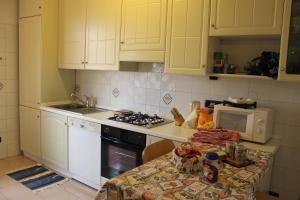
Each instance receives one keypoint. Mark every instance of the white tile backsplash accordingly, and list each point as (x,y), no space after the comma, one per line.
(144,92)
(9,121)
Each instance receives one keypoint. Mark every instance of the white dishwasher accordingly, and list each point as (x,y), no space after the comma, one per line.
(85,151)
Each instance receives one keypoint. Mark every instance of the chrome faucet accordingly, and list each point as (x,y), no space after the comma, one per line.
(87,101)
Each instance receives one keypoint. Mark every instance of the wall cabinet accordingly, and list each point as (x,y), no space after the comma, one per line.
(30,131)
(246,17)
(187,37)
(290,42)
(72,20)
(54,142)
(40,79)
(29,8)
(143,30)
(89,34)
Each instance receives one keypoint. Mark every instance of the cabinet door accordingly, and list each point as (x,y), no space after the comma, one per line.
(28,8)
(72,21)
(103,34)
(30,131)
(143,24)
(84,156)
(30,56)
(187,37)
(246,17)
(290,42)
(54,134)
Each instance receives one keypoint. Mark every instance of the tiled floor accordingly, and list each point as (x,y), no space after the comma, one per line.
(12,190)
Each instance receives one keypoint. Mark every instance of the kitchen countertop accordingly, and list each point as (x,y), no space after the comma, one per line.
(168,131)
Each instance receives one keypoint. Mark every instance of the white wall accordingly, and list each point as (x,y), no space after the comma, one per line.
(9,77)
(145,91)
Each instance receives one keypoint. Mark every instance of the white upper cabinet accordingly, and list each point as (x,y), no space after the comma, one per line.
(290,49)
(143,30)
(72,20)
(29,65)
(40,79)
(103,34)
(89,34)
(246,17)
(187,37)
(29,8)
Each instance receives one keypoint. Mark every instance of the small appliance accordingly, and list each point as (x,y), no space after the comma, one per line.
(253,124)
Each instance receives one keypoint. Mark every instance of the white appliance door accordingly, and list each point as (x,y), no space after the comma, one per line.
(84,156)
(237,121)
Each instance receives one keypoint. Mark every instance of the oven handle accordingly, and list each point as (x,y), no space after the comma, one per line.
(116,141)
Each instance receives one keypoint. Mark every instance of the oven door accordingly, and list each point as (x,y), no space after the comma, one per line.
(118,157)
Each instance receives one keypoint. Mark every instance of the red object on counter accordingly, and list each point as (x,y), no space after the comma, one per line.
(216,136)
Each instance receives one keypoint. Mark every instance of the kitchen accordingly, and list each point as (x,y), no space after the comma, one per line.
(166,55)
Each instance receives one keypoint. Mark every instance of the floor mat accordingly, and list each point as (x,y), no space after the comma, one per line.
(37,177)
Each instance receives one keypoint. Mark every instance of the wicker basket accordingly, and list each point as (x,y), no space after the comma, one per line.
(189,163)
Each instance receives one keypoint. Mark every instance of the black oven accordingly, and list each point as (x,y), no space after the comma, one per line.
(121,150)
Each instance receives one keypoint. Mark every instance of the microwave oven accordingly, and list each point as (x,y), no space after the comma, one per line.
(254,125)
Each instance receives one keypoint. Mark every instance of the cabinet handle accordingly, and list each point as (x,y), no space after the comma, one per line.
(40,7)
(38,116)
(282,69)
(82,126)
(1,58)
(213,26)
(203,66)
(66,123)
(122,42)
(82,62)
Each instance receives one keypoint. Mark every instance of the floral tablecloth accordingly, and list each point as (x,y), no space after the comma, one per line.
(160,179)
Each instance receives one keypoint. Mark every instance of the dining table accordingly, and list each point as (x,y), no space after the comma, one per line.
(161,179)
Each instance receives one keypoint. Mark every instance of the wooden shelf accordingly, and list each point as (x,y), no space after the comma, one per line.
(241,76)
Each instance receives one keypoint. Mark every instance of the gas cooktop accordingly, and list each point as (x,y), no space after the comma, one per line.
(140,119)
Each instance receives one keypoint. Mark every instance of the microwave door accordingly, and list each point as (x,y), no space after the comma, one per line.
(237,121)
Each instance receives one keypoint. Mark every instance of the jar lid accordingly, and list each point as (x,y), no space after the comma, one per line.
(212,156)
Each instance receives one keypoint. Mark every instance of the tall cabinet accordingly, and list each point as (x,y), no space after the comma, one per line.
(89,34)
(187,37)
(40,79)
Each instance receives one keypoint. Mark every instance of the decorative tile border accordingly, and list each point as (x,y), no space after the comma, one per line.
(167,99)
(116,92)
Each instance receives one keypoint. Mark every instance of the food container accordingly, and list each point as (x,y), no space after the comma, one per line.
(230,149)
(240,153)
(211,167)
(187,159)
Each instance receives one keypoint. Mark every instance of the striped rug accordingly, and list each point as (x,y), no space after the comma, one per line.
(37,177)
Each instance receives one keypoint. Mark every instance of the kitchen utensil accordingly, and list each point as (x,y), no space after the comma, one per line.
(179,120)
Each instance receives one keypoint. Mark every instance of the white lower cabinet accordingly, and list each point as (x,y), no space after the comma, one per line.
(54,135)
(84,152)
(30,132)
(153,139)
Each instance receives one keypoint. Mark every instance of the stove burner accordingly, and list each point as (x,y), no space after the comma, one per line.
(140,119)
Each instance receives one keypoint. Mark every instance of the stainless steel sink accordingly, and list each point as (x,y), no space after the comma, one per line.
(78,108)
